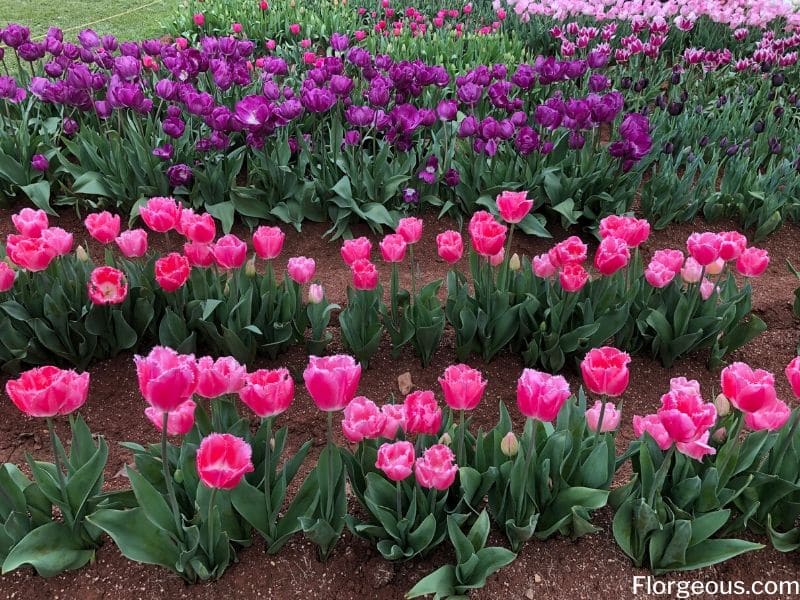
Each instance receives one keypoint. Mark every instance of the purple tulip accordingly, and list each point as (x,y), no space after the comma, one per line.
(406,118)
(70,127)
(359,116)
(452,177)
(352,137)
(127,67)
(468,127)
(15,35)
(253,112)
(598,82)
(173,127)
(163,152)
(447,110)
(470,93)
(40,163)
(524,77)
(339,42)
(318,100)
(410,196)
(341,85)
(547,117)
(88,39)
(10,91)
(179,175)
(527,141)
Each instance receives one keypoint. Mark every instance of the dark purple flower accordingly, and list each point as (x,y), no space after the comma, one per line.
(469,93)
(341,85)
(15,35)
(468,126)
(199,103)
(524,77)
(103,109)
(88,39)
(519,118)
(359,116)
(127,67)
(547,117)
(597,59)
(452,177)
(318,100)
(164,152)
(289,110)
(40,163)
(10,91)
(447,110)
(527,140)
(179,175)
(70,127)
(575,69)
(130,49)
(598,82)
(352,137)
(173,127)
(406,118)
(410,196)
(428,174)
(378,92)
(576,141)
(31,52)
(339,42)
(253,112)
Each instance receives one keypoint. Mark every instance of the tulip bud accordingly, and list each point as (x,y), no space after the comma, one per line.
(178,476)
(81,254)
(514,263)
(315,293)
(227,289)
(446,439)
(722,404)
(720,434)
(272,443)
(509,445)
(250,268)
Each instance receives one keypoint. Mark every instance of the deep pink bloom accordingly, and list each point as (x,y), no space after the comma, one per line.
(268,392)
(497,259)
(542,267)
(179,421)
(684,414)
(219,377)
(732,245)
(569,252)
(612,255)
(362,420)
(410,228)
(268,242)
(58,239)
(102,226)
(752,262)
(611,417)
(393,248)
(652,425)
(770,417)
(513,206)
(199,255)
(634,231)
(332,380)
(107,285)
(301,269)
(450,246)
(365,274)
(395,419)
(396,460)
(30,222)
(198,228)
(421,413)
(573,277)
(48,391)
(704,247)
(671,259)
(223,460)
(487,235)
(160,214)
(605,371)
(7,277)
(436,468)
(172,271)
(541,395)
(166,379)
(658,275)
(199,19)
(230,252)
(132,243)
(463,386)
(32,254)
(294,28)
(793,375)
(747,389)
(696,449)
(354,249)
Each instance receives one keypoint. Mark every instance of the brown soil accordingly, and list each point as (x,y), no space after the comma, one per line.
(558,568)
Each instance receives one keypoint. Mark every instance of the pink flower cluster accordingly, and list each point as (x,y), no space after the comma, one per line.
(37,244)
(436,467)
(752,391)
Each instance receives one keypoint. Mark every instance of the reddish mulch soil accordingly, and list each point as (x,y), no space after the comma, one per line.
(557,568)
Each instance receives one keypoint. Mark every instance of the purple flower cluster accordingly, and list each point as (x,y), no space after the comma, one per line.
(636,141)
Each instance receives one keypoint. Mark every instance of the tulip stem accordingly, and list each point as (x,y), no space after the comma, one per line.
(268,472)
(599,423)
(461,458)
(413,273)
(399,500)
(507,259)
(330,466)
(211,501)
(61,482)
(168,476)
(522,503)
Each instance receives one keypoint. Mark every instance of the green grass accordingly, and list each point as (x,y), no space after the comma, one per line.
(103,15)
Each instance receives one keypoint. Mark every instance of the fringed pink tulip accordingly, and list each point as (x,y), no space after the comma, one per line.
(421,413)
(223,460)
(436,468)
(268,392)
(166,379)
(179,421)
(332,380)
(396,460)
(107,285)
(463,387)
(219,377)
(362,420)
(48,391)
(541,395)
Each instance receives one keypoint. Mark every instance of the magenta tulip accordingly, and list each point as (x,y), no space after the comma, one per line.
(166,379)
(48,391)
(332,380)
(223,460)
(463,387)
(605,371)
(541,395)
(396,460)
(436,468)
(179,421)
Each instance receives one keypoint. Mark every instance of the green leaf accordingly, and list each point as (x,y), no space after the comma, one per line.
(711,552)
(136,538)
(223,212)
(151,501)
(50,549)
(39,194)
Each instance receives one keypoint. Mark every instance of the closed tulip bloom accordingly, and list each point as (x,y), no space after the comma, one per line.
(487,235)
(497,259)
(198,228)
(514,206)
(696,449)
(542,267)
(611,417)
(355,249)
(393,248)
(568,252)
(436,468)
(692,271)
(716,267)
(605,371)
(653,426)
(362,420)
(132,243)
(421,413)
(223,460)
(172,271)
(396,460)
(612,255)
(793,375)
(752,262)
(268,242)
(199,255)
(771,417)
(160,214)
(704,247)
(179,421)
(365,274)
(48,391)
(732,245)
(541,395)
(658,275)
(219,377)
(463,387)
(747,389)
(7,277)
(103,226)
(166,379)
(58,239)
(32,254)
(509,445)
(30,222)
(107,285)
(450,246)
(573,277)
(301,269)
(268,392)
(394,415)
(316,293)
(332,380)
(230,252)
(410,228)
(634,231)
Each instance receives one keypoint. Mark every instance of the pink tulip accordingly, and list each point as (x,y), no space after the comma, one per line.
(219,377)
(569,252)
(166,379)
(107,285)
(396,460)
(421,413)
(685,386)
(172,271)
(671,259)
(692,271)
(179,422)
(652,425)
(362,420)
(268,242)
(199,255)
(450,246)
(58,239)
(612,255)
(573,277)
(332,380)
(771,417)
(685,416)
(753,262)
(301,269)
(463,387)
(355,249)
(393,248)
(410,228)
(706,288)
(199,19)
(611,417)
(514,206)
(230,252)
(704,247)
(394,415)
(793,375)
(487,235)
(696,449)
(716,267)
(32,254)
(48,391)
(294,28)
(7,277)
(436,468)
(630,229)
(316,293)
(542,267)
(732,245)
(365,274)
(747,389)
(198,228)
(268,392)
(223,460)
(658,275)
(103,226)
(30,222)
(132,243)
(160,214)
(541,395)
(497,259)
